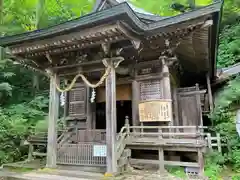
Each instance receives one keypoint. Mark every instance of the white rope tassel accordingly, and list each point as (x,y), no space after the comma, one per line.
(93,96)
(62,99)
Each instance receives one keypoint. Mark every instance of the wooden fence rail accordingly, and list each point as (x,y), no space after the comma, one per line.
(214,142)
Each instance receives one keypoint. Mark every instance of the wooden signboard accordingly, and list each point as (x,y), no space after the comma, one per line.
(155,111)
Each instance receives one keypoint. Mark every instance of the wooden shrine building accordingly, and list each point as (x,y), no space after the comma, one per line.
(134,81)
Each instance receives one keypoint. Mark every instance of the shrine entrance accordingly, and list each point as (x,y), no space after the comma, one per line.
(123,106)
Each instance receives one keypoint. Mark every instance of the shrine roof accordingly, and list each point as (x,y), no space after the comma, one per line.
(194,35)
(120,12)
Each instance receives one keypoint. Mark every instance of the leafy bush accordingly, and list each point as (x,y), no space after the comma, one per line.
(214,163)
(224,115)
(236,177)
(177,171)
(229,52)
(234,158)
(16,123)
(224,120)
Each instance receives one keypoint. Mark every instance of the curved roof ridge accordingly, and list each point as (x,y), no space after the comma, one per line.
(135,8)
(141,13)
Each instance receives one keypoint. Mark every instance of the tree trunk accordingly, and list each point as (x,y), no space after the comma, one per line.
(39,13)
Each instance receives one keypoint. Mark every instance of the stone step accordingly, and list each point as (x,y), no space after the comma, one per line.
(94,169)
(35,176)
(76,174)
(52,175)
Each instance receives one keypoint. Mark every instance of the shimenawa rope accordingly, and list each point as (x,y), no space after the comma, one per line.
(107,71)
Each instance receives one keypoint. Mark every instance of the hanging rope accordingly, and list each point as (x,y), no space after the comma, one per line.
(102,79)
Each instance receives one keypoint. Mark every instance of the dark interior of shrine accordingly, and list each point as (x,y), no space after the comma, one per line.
(124,108)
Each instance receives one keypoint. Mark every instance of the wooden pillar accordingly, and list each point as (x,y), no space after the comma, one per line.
(175,104)
(111,122)
(198,100)
(166,81)
(89,110)
(66,107)
(30,152)
(135,102)
(167,87)
(161,160)
(209,92)
(52,123)
(200,161)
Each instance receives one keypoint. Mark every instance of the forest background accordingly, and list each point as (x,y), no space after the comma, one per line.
(24,94)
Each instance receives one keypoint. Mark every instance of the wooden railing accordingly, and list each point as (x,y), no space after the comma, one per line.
(41,137)
(121,142)
(82,150)
(89,135)
(165,131)
(166,138)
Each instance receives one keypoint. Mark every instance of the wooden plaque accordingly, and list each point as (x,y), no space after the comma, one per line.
(155,111)
(123,93)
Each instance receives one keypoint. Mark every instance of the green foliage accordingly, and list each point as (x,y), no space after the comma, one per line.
(177,171)
(236,177)
(229,52)
(229,95)
(37,14)
(214,164)
(42,125)
(224,115)
(224,120)
(163,8)
(235,159)
(5,74)
(16,123)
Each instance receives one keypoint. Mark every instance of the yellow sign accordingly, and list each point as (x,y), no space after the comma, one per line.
(158,110)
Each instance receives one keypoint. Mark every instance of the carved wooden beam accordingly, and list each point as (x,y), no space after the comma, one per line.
(106,48)
(24,63)
(5,53)
(49,58)
(136,42)
(78,65)
(88,37)
(76,46)
(183,32)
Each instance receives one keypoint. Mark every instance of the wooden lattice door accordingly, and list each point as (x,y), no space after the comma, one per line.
(77,102)
(151,90)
